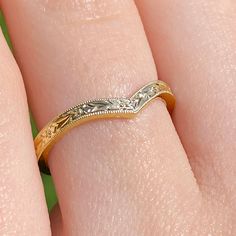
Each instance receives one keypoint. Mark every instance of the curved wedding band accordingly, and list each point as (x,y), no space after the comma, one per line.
(98,109)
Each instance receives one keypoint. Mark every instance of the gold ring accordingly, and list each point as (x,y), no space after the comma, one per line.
(98,109)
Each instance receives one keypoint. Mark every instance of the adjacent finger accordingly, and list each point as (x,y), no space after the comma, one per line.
(22,202)
(112,176)
(193,43)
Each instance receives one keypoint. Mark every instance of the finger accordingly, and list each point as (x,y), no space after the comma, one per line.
(56,221)
(111,176)
(193,43)
(22,203)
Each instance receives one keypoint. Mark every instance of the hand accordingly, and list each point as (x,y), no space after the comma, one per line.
(121,177)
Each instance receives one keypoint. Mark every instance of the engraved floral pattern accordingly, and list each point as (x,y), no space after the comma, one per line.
(144,95)
(96,107)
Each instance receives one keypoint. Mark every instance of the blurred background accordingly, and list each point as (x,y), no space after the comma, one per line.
(47,180)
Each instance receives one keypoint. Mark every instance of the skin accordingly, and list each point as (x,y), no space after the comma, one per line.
(151,175)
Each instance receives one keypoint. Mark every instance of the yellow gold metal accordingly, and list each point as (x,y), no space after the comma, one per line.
(99,109)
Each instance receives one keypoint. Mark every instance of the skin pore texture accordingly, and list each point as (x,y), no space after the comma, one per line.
(125,177)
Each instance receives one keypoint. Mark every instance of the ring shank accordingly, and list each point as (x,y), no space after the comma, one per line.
(98,109)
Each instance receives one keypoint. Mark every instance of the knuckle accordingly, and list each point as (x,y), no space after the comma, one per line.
(85,10)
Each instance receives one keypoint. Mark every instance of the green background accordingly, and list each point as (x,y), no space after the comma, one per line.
(47,180)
